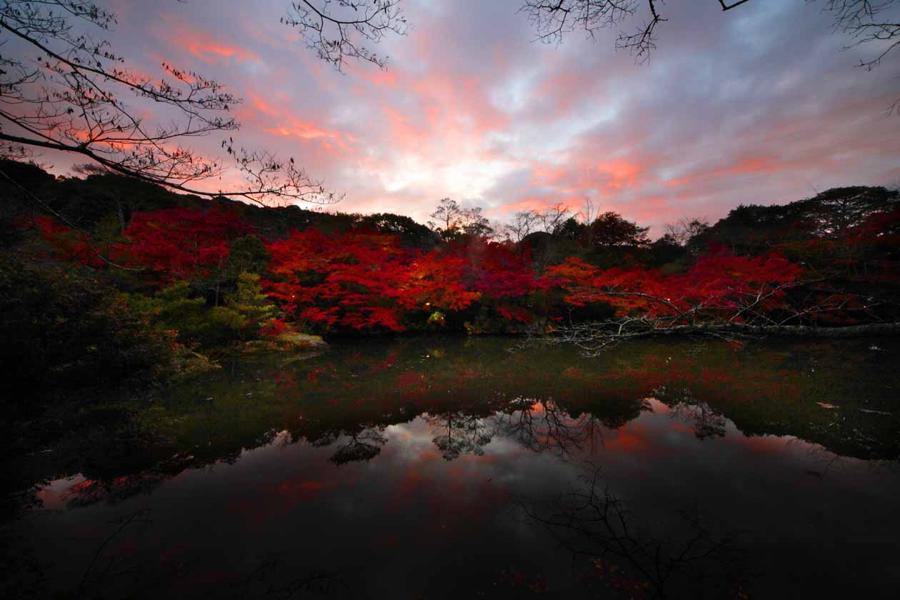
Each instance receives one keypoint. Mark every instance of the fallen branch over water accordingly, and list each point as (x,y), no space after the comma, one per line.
(786,330)
(595,337)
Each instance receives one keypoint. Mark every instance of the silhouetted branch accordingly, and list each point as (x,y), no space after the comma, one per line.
(65,91)
(552,19)
(861,20)
(343,29)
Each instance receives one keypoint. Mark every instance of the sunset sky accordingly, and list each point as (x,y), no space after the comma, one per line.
(757,105)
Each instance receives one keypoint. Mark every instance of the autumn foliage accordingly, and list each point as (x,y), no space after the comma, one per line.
(350,281)
(67,243)
(369,281)
(717,284)
(363,280)
(180,243)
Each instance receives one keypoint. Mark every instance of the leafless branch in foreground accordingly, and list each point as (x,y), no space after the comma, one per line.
(338,30)
(63,89)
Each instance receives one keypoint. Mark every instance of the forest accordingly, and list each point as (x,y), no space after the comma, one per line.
(107,279)
(449,299)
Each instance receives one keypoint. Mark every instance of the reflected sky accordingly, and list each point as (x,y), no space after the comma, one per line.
(422,491)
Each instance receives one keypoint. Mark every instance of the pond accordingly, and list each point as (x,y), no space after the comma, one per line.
(477,467)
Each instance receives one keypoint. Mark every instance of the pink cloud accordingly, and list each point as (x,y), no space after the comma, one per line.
(743,166)
(207,47)
(480,113)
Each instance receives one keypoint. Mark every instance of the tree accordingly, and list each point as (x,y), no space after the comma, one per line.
(720,292)
(435,281)
(830,215)
(63,90)
(183,243)
(452,221)
(553,218)
(247,254)
(550,220)
(571,229)
(412,233)
(66,327)
(250,305)
(610,230)
(522,224)
(353,281)
(684,230)
(475,224)
(447,217)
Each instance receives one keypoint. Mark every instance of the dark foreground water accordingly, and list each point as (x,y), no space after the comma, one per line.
(436,468)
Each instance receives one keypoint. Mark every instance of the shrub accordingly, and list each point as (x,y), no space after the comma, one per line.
(63,326)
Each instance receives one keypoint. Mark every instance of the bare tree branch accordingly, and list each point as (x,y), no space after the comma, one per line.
(345,29)
(63,90)
(552,19)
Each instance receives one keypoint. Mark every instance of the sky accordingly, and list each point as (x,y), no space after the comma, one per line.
(762,104)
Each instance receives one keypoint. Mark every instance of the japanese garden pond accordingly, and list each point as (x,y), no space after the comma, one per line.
(477,467)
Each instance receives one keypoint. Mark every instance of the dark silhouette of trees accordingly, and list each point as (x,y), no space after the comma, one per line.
(571,229)
(526,222)
(452,221)
(523,223)
(412,233)
(458,433)
(684,230)
(831,215)
(610,230)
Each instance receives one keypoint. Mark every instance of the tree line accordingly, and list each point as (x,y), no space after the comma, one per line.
(141,272)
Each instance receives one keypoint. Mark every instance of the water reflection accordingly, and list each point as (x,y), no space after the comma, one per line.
(620,553)
(438,468)
(363,445)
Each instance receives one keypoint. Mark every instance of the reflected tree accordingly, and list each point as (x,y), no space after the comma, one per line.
(624,555)
(277,577)
(106,565)
(361,446)
(459,433)
(545,427)
(706,422)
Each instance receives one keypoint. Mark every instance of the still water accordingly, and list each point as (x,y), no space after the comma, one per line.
(454,467)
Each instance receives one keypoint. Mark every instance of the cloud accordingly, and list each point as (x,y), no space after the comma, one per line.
(760,104)
(204,45)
